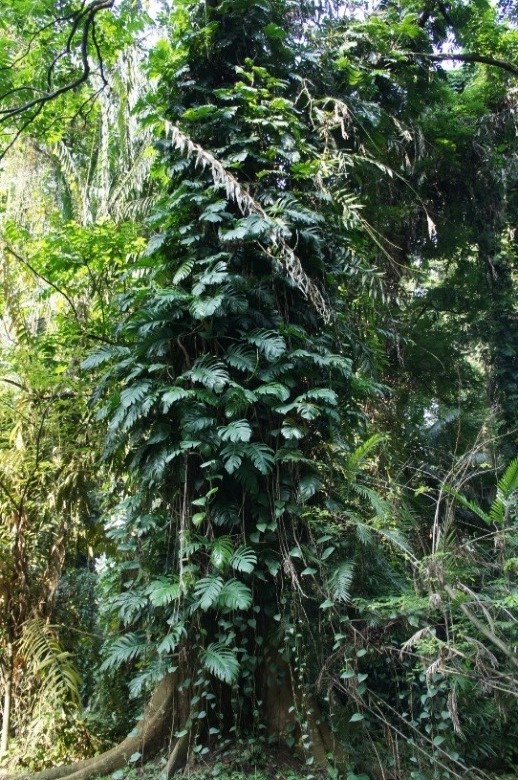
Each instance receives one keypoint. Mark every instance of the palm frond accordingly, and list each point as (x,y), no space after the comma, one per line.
(361,453)
(283,253)
(53,667)
(74,180)
(505,494)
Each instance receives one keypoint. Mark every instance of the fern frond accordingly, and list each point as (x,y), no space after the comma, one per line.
(508,482)
(133,209)
(131,181)
(340,581)
(76,186)
(507,486)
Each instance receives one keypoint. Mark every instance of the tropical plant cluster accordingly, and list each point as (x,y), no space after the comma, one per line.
(258,388)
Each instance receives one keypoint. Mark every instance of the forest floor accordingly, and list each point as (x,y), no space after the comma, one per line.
(266,764)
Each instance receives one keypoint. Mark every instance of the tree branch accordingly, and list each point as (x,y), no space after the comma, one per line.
(482,58)
(12,382)
(65,295)
(88,15)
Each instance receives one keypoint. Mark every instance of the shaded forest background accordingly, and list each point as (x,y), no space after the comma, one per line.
(258,387)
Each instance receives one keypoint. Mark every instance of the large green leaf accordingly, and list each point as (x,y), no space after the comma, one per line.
(236,431)
(235,595)
(163,591)
(244,559)
(210,373)
(221,661)
(270,343)
(207,591)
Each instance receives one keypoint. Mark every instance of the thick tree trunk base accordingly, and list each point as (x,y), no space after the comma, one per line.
(291,713)
(147,739)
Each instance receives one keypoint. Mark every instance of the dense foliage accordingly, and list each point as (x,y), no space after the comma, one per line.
(258,390)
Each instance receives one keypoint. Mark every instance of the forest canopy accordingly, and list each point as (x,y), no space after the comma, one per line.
(258,389)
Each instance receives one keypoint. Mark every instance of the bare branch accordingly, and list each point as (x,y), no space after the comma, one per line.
(12,382)
(21,130)
(99,55)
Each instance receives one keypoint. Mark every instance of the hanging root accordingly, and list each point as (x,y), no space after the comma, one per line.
(147,739)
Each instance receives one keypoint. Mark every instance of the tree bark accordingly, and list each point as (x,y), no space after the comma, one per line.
(6,713)
(296,713)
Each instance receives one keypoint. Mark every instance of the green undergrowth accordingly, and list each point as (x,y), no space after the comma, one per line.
(277,764)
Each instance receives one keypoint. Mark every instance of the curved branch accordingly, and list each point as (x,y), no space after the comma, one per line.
(89,17)
(482,58)
(27,264)
(13,383)
(21,130)
(39,31)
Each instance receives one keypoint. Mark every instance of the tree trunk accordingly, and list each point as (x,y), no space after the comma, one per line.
(292,716)
(293,713)
(6,715)
(151,733)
